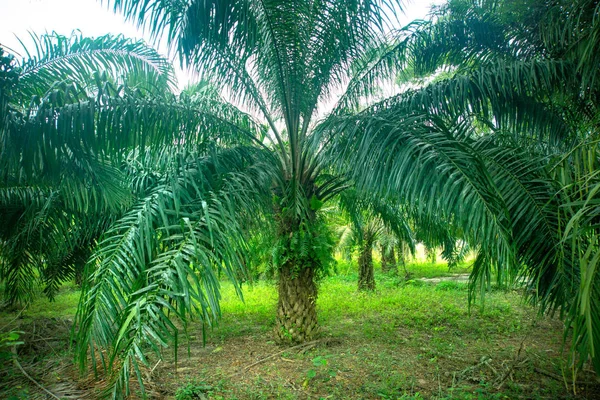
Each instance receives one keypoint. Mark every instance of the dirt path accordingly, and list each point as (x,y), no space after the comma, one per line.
(453,278)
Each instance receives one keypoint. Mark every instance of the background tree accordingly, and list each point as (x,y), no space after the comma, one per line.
(388,243)
(366,271)
(373,222)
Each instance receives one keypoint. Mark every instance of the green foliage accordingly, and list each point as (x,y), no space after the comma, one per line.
(189,214)
(477,146)
(315,203)
(499,150)
(319,371)
(310,246)
(78,59)
(561,34)
(8,340)
(262,250)
(59,187)
(192,390)
(451,286)
(82,178)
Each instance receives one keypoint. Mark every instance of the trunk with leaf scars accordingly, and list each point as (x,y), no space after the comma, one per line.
(296,320)
(388,261)
(366,275)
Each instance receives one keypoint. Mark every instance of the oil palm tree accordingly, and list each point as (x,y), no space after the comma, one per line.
(387,248)
(70,147)
(115,166)
(57,191)
(373,221)
(506,139)
(444,148)
(282,61)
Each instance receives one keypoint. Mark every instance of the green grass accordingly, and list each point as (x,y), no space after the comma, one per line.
(64,305)
(259,296)
(418,267)
(394,296)
(414,305)
(407,340)
(434,270)
(389,342)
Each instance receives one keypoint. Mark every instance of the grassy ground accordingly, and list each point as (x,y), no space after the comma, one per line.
(408,340)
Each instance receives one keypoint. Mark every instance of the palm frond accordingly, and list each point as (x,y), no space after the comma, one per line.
(430,167)
(163,258)
(75,58)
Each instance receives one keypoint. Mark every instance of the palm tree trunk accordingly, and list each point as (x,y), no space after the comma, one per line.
(388,261)
(296,320)
(366,274)
(385,266)
(431,254)
(402,250)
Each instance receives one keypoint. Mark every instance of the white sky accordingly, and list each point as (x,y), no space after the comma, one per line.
(93,18)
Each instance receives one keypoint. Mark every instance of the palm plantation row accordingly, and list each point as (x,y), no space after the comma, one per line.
(491,141)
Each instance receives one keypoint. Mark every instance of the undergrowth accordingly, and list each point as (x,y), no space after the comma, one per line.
(410,339)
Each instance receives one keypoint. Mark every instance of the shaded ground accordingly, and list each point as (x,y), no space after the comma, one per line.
(403,342)
(407,340)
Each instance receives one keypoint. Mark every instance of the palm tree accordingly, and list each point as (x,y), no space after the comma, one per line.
(373,221)
(283,61)
(118,167)
(366,272)
(387,247)
(57,191)
(506,140)
(363,234)
(447,148)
